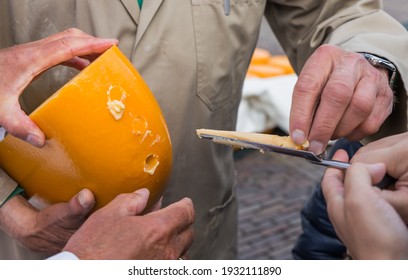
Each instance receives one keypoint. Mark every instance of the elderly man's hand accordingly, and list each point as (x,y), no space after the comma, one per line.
(120,231)
(47,230)
(20,64)
(338,94)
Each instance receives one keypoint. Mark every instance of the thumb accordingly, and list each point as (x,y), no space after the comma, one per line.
(77,208)
(17,123)
(130,204)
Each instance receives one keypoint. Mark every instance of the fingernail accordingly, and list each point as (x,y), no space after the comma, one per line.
(376,167)
(298,137)
(143,192)
(34,140)
(316,147)
(3,133)
(84,200)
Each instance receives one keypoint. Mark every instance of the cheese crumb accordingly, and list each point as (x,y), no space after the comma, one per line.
(116,108)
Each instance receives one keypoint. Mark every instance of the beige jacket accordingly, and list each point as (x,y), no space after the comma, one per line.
(194,58)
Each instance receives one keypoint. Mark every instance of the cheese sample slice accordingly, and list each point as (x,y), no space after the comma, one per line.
(104,130)
(269,139)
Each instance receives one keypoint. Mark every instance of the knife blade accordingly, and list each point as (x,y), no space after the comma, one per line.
(309,156)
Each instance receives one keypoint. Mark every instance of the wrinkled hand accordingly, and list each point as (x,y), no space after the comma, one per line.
(338,94)
(367,224)
(20,64)
(118,231)
(47,230)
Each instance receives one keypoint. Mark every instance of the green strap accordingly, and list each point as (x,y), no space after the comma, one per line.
(18,190)
(140,3)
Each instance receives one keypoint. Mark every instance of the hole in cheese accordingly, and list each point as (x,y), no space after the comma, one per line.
(151,163)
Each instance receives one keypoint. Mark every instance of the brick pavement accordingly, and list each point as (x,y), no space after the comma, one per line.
(271,191)
(272,188)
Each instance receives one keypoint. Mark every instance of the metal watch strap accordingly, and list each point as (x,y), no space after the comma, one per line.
(382,63)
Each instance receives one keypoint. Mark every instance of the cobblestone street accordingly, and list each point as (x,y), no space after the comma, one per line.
(271,193)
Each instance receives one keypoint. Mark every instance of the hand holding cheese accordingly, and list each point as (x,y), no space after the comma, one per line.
(48,230)
(71,47)
(105,132)
(163,234)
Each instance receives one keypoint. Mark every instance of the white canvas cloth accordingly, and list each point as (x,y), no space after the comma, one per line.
(266,103)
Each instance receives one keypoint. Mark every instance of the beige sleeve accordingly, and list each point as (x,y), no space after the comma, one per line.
(301,26)
(7,186)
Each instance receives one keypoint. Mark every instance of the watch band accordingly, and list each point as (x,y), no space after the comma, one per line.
(380,62)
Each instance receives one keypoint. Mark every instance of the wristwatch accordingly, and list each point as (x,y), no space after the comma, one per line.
(380,62)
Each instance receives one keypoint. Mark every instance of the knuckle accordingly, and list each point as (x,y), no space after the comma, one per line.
(360,60)
(187,214)
(337,93)
(326,49)
(306,84)
(370,127)
(189,210)
(64,42)
(360,107)
(122,197)
(73,31)
(13,127)
(325,129)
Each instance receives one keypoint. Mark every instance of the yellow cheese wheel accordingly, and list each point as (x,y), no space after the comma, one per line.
(104,130)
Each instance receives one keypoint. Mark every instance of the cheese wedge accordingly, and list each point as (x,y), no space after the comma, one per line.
(104,130)
(276,140)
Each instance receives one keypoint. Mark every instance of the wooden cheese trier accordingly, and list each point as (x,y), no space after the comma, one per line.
(278,144)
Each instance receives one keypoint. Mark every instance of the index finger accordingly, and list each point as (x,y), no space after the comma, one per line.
(333,190)
(63,49)
(177,216)
(306,95)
